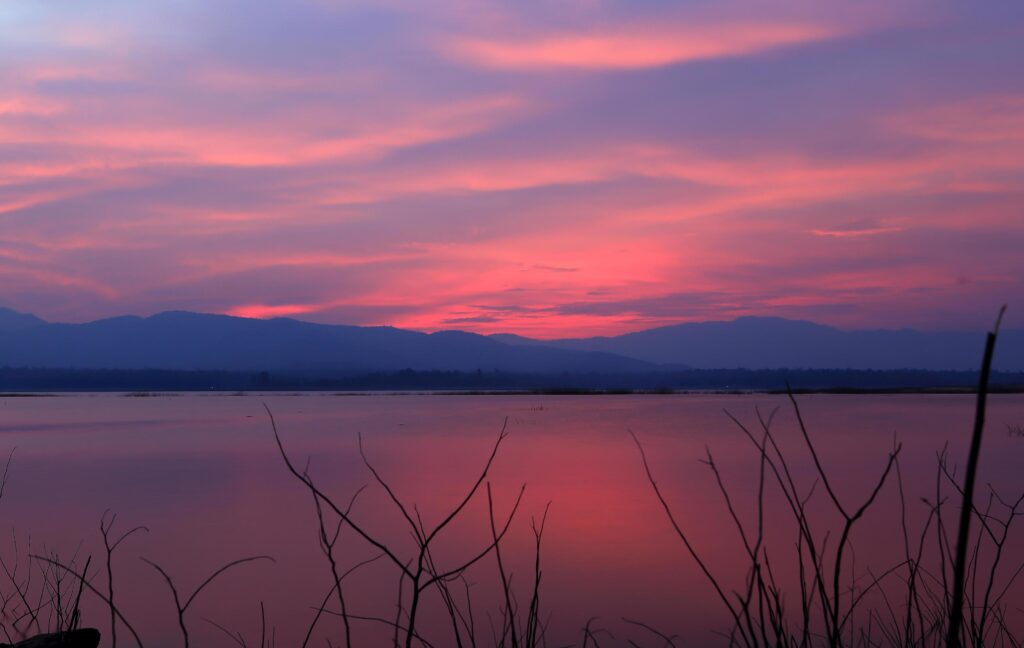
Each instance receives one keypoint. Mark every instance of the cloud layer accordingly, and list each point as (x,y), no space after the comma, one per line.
(546,169)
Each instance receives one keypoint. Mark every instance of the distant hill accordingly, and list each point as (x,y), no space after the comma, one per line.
(191,341)
(14,321)
(773,343)
(183,341)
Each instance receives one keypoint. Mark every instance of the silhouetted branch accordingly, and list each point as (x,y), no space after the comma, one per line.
(180,607)
(91,588)
(953,638)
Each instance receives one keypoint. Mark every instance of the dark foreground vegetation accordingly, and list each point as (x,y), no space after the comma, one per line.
(16,380)
(949,589)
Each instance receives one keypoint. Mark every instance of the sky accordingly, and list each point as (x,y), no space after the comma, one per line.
(546,168)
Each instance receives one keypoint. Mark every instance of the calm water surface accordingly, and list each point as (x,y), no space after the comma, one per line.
(202,473)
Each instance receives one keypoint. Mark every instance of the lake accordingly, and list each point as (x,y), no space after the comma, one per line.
(202,472)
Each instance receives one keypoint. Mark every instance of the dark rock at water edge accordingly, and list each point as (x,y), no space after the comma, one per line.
(84,638)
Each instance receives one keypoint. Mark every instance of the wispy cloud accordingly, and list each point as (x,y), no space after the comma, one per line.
(632,48)
(855,233)
(988,119)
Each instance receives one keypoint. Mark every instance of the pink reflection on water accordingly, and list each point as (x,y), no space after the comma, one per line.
(201,471)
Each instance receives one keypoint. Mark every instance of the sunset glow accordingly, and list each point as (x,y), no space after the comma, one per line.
(561,169)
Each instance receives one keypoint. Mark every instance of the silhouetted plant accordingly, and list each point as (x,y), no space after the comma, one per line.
(419,573)
(933,599)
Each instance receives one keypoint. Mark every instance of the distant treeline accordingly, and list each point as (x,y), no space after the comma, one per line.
(33,380)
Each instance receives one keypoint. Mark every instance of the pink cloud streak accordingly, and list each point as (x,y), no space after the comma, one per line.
(638,47)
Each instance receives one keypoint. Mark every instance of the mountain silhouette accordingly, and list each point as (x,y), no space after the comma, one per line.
(11,320)
(193,341)
(774,343)
(180,340)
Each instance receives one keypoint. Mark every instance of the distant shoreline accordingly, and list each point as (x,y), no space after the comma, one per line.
(27,380)
(838,391)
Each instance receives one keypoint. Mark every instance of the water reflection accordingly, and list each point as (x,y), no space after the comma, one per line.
(202,473)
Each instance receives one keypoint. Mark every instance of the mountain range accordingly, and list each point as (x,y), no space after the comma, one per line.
(193,341)
(775,343)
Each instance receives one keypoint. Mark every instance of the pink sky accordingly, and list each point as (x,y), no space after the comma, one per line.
(550,169)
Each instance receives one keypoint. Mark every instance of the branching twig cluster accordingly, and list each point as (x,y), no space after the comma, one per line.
(917,604)
(421,573)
